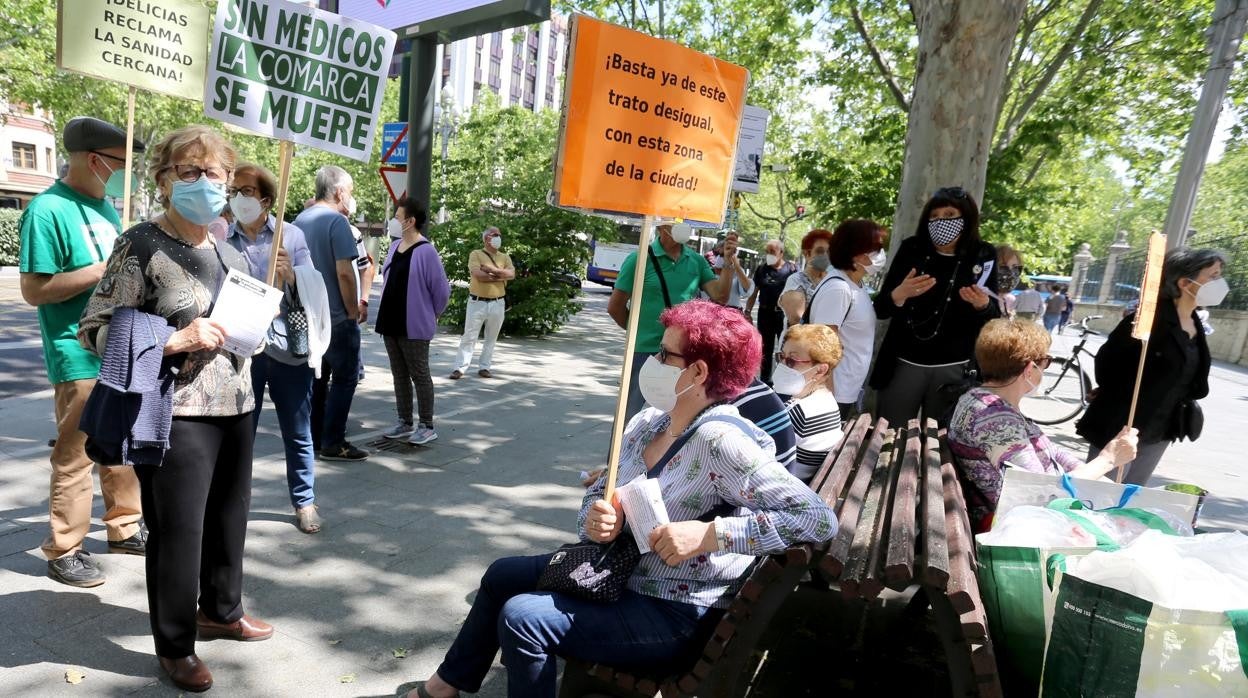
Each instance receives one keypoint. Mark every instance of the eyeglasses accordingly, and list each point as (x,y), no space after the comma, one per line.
(1043,362)
(790,361)
(663,355)
(957,193)
(191,173)
(246,190)
(106,155)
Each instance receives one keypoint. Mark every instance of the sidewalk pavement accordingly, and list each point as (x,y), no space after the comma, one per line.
(371,603)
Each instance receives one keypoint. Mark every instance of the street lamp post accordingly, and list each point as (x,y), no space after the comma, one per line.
(444,116)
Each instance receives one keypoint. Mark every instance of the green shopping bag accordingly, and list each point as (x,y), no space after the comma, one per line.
(1111,644)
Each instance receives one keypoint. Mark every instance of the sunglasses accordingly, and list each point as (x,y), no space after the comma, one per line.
(956,193)
(1043,362)
(790,361)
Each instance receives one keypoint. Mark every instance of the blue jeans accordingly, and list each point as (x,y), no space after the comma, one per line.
(1052,321)
(290,387)
(533,627)
(333,392)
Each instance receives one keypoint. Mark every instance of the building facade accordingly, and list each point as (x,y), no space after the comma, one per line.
(522,66)
(28,162)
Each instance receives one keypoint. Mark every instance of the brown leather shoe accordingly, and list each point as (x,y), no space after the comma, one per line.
(245,629)
(187,673)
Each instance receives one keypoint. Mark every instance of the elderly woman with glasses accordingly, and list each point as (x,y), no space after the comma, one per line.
(197,499)
(728,498)
(804,371)
(988,432)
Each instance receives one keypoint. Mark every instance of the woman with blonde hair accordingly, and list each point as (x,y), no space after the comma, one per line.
(197,499)
(803,371)
(988,432)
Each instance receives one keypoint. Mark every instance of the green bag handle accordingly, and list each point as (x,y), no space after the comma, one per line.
(1239,622)
(1069,505)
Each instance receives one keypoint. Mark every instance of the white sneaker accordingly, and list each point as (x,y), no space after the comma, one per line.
(400,430)
(422,435)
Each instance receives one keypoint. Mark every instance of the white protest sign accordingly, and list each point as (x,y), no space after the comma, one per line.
(297,74)
(750,142)
(158,47)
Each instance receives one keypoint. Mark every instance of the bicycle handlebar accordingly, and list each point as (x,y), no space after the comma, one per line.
(1083,324)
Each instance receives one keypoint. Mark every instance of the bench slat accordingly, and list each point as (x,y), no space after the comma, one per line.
(962,588)
(848,455)
(934,567)
(833,563)
(817,482)
(902,533)
(874,583)
(874,506)
(964,521)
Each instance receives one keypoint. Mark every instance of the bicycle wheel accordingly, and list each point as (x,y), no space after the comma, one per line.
(1061,395)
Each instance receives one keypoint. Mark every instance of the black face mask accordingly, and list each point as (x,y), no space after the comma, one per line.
(1007,279)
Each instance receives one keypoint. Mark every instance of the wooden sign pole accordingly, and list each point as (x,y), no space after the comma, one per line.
(626,374)
(126,178)
(1150,288)
(279,209)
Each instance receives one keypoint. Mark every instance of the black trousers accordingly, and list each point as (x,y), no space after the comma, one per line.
(770,325)
(196,504)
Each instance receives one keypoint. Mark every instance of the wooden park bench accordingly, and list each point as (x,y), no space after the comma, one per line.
(904,526)
(724,666)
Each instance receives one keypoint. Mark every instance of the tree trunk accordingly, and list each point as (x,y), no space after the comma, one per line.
(964,49)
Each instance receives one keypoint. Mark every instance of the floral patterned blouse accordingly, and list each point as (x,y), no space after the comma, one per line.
(158,274)
(720,464)
(985,433)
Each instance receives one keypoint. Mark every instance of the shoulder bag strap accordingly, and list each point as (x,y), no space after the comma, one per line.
(811,304)
(654,261)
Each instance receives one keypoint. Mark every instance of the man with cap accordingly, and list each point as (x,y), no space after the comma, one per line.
(490,269)
(67,234)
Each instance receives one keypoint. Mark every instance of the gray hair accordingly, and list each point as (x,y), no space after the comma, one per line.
(490,231)
(329,179)
(1186,263)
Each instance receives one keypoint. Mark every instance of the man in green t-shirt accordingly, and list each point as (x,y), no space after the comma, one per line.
(67,234)
(684,272)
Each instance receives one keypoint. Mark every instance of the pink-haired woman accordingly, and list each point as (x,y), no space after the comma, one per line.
(728,498)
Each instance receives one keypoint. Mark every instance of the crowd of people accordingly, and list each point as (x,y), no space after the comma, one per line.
(732,417)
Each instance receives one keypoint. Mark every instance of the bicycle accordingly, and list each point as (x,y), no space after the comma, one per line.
(1064,389)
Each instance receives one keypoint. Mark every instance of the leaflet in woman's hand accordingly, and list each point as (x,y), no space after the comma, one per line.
(245,307)
(642,501)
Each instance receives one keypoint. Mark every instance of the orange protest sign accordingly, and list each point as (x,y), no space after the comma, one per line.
(649,126)
(1150,287)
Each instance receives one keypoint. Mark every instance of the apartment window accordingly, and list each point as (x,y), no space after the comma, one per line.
(516,85)
(496,69)
(24,156)
(47,154)
(496,45)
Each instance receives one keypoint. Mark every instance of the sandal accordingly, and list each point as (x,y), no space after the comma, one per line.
(308,519)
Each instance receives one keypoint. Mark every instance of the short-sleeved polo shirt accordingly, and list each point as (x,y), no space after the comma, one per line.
(685,276)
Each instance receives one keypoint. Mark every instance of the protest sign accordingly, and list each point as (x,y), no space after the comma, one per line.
(159,47)
(1150,287)
(649,126)
(750,143)
(291,72)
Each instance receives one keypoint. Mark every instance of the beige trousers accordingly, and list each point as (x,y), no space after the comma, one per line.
(69,498)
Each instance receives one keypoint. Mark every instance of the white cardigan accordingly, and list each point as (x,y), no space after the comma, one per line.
(316,302)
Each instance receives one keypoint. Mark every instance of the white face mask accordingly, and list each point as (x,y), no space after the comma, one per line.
(348,205)
(246,209)
(772,259)
(495,241)
(1032,390)
(681,233)
(789,381)
(1211,293)
(394,228)
(877,262)
(657,382)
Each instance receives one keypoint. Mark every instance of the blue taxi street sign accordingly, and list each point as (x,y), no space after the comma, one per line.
(394,143)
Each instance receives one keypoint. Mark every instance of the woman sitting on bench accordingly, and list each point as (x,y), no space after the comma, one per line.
(988,432)
(709,354)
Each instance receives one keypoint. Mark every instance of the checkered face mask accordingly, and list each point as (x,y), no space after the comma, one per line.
(944,230)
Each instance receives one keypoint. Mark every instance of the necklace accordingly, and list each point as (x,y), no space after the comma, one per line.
(944,307)
(693,421)
(177,234)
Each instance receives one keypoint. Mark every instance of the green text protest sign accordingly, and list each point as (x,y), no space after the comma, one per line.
(294,73)
(154,46)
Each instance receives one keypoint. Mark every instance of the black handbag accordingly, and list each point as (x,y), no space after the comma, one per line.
(599,571)
(1191,420)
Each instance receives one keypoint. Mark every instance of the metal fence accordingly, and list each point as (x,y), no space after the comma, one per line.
(1124,288)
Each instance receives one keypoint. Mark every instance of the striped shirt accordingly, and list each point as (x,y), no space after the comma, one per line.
(817,424)
(719,464)
(760,404)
